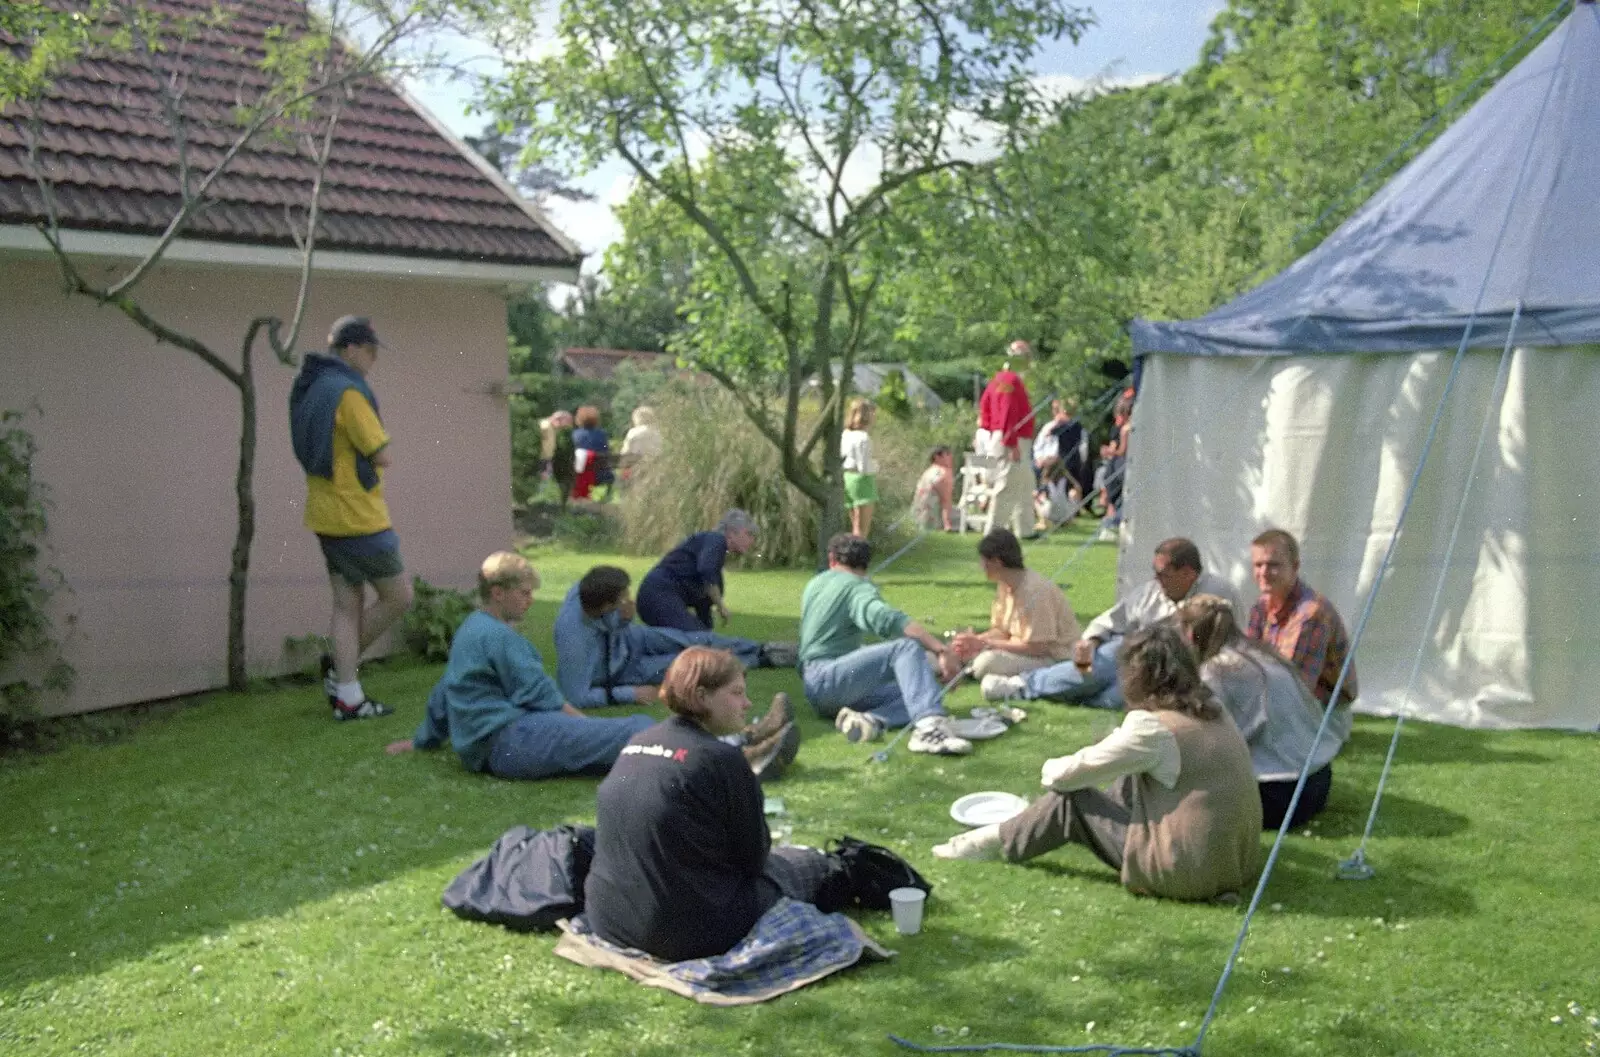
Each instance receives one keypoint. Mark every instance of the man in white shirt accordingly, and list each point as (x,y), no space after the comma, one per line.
(1090,677)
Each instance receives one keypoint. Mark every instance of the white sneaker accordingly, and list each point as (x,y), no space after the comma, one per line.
(858,726)
(976,845)
(1003,687)
(932,735)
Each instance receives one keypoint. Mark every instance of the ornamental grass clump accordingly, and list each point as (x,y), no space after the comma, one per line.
(714,459)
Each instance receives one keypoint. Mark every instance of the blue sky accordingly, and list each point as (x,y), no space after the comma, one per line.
(1134,39)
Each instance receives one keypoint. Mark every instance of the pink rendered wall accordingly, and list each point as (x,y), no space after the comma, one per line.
(138,445)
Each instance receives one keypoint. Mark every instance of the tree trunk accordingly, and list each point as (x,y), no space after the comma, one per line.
(830,519)
(244,492)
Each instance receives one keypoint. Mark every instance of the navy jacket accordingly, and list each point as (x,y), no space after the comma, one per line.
(313,402)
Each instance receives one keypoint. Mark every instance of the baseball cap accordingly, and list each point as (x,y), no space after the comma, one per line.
(352,330)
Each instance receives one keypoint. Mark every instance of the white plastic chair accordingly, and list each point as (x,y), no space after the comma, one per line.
(975,506)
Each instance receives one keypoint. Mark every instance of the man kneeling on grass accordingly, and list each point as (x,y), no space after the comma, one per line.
(501,711)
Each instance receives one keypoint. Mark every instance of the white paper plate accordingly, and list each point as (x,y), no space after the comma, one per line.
(986,809)
(980,729)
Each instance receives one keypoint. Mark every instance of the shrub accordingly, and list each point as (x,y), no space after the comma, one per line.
(714,459)
(29,655)
(431,622)
(544,393)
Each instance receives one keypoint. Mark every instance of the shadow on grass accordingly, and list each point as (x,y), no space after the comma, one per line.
(1304,882)
(1398,816)
(456,1041)
(1434,743)
(240,808)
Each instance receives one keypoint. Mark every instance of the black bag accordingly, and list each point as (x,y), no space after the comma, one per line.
(529,880)
(868,873)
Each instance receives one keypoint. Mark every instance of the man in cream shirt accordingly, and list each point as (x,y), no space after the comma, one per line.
(1031,624)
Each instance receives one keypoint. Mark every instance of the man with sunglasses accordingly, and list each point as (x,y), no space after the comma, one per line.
(1090,677)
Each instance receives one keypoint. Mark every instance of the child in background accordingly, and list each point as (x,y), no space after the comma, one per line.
(860,466)
(591,454)
(931,504)
(1056,499)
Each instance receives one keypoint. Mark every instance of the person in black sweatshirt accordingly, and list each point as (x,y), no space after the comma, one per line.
(681,842)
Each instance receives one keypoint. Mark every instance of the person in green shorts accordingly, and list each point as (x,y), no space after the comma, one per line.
(341,444)
(860,466)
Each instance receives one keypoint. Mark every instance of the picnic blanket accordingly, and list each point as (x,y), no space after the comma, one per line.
(794,944)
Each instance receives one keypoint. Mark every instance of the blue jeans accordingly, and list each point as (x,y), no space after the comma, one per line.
(549,744)
(891,680)
(649,668)
(1064,682)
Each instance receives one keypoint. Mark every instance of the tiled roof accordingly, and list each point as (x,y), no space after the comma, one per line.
(598,365)
(394,184)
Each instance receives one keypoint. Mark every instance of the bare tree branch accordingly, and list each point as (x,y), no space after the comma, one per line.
(364,66)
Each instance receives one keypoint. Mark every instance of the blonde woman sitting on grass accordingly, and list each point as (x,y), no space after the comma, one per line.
(1273,707)
(1181,818)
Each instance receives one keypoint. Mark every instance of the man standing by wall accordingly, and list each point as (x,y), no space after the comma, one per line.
(1005,413)
(341,444)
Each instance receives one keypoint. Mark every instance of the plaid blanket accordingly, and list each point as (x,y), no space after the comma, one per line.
(793,944)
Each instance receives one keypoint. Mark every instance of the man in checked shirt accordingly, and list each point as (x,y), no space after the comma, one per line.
(1299,623)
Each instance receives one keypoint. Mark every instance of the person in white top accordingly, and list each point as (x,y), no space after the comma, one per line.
(1180,817)
(1273,707)
(643,441)
(1090,677)
(860,466)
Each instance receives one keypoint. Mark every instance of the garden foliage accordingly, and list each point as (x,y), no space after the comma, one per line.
(29,660)
(714,459)
(431,622)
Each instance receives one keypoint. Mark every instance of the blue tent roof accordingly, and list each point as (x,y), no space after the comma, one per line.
(1506,201)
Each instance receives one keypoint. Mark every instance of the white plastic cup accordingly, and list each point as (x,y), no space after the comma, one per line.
(907,906)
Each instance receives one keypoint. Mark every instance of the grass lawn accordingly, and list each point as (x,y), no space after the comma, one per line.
(245,876)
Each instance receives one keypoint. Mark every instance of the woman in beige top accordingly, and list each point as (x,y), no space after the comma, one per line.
(1181,818)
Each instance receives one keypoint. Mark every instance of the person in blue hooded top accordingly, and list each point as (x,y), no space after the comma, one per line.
(340,442)
(604,658)
(686,584)
(495,703)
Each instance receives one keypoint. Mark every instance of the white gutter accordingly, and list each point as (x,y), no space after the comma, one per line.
(27,239)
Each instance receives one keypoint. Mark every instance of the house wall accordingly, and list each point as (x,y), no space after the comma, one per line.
(138,443)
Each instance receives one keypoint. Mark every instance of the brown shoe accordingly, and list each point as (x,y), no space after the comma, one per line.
(777,717)
(769,758)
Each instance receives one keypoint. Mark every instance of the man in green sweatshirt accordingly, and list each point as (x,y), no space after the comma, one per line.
(869,689)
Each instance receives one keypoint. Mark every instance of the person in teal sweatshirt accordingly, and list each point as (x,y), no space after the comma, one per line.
(869,689)
(500,710)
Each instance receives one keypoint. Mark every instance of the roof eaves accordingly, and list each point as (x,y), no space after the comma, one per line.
(494,175)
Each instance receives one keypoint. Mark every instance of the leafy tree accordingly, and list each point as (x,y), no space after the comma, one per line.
(305,77)
(1291,103)
(1169,199)
(773,143)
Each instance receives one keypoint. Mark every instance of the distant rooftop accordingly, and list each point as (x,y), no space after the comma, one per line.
(598,365)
